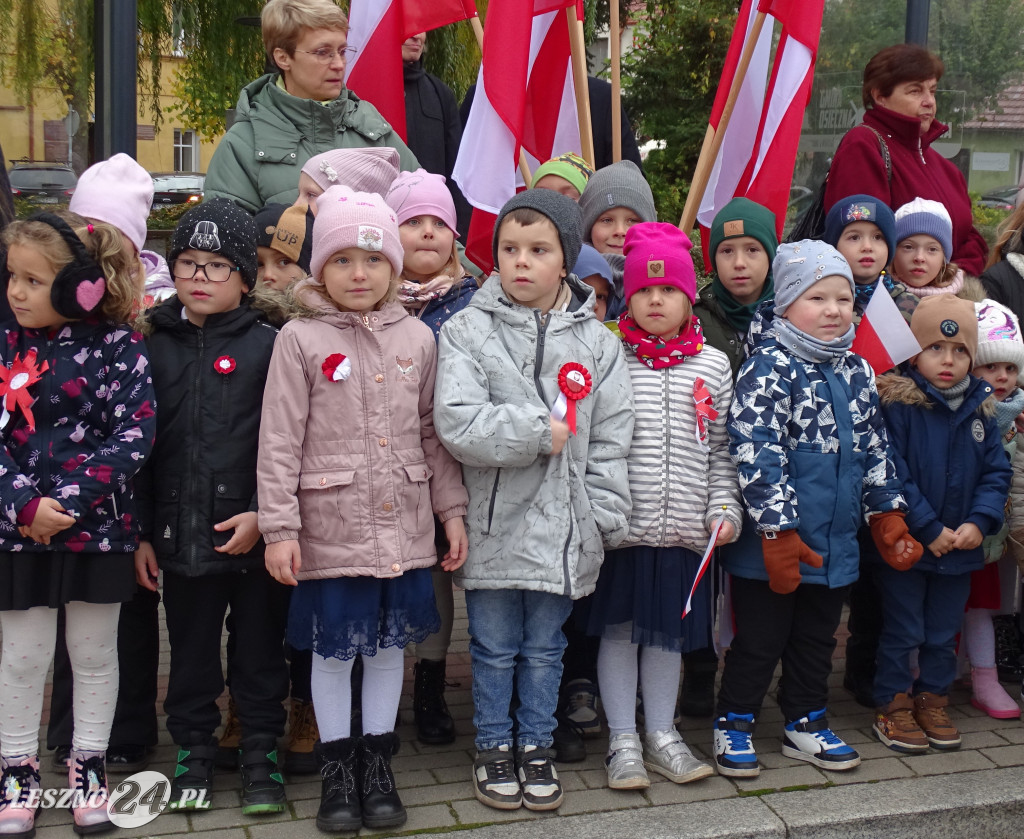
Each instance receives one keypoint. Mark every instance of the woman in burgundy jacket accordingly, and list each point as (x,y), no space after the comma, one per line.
(899,95)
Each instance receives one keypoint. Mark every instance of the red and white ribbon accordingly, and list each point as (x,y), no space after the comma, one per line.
(574,383)
(704,411)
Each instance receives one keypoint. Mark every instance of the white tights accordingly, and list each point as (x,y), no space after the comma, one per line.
(29,638)
(382,691)
(617,674)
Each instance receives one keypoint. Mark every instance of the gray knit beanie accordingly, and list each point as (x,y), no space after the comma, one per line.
(620,185)
(563,213)
(799,265)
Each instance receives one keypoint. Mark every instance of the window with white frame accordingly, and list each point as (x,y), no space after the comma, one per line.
(186,150)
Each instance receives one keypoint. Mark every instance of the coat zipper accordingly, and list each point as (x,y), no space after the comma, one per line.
(194,490)
(667,443)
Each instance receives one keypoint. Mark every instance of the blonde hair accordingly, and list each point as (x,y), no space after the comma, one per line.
(282,22)
(104,243)
(1010,236)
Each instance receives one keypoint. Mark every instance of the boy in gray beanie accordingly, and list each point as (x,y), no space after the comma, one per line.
(522,367)
(616,198)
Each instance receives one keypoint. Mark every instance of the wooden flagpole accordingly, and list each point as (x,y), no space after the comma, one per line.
(478,30)
(579,77)
(713,139)
(615,42)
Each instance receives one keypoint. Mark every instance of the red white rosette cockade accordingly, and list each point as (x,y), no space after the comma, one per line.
(337,367)
(574,383)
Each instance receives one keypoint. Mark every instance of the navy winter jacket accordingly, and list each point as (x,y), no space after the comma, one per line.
(952,464)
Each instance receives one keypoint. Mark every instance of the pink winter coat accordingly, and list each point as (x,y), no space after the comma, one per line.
(349,463)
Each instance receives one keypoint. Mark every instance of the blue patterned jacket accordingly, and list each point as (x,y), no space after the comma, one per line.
(812,455)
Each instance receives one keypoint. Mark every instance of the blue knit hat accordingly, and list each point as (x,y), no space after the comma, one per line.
(927,217)
(861,208)
(590,262)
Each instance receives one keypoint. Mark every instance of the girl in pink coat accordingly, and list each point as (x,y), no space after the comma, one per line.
(350,476)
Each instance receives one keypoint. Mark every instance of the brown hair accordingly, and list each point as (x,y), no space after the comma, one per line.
(1010,236)
(282,22)
(104,243)
(896,65)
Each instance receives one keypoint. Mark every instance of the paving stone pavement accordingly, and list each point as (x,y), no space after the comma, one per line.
(979,788)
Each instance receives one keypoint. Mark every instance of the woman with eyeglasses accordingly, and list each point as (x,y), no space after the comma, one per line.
(300,110)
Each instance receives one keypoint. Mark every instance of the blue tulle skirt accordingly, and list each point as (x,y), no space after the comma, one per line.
(647,587)
(342,617)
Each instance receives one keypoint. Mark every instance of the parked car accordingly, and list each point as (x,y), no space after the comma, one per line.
(171,188)
(1003,198)
(42,183)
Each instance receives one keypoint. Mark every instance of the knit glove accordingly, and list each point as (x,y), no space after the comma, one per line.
(782,558)
(889,528)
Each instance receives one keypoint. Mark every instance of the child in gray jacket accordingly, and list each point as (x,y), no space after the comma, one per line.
(533,397)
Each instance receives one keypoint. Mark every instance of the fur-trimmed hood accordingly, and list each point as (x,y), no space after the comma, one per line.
(277,307)
(895,388)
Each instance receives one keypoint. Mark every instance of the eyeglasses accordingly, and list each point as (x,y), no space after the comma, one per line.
(325,55)
(215,272)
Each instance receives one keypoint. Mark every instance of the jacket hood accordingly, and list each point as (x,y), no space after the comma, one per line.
(914,390)
(972,289)
(275,110)
(311,304)
(492,298)
(906,129)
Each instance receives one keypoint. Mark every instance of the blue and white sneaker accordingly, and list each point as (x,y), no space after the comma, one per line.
(734,746)
(809,738)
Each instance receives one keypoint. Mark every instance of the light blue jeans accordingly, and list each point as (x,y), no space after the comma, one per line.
(515,639)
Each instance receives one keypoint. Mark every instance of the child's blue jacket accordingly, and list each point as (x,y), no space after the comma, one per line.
(951,463)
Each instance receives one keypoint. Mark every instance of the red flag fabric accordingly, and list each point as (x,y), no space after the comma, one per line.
(883,335)
(758,162)
(524,100)
(376,31)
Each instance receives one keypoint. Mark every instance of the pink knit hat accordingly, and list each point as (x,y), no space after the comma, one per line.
(421,193)
(347,219)
(658,253)
(369,169)
(119,192)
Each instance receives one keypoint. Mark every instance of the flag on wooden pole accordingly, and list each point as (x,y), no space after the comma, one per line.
(376,31)
(758,151)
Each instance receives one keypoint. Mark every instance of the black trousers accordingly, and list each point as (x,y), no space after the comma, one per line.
(799,629)
(138,656)
(195,608)
(865,621)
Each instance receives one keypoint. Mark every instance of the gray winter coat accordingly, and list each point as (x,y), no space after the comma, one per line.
(536,521)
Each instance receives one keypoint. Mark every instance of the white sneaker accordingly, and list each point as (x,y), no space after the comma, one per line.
(667,754)
(625,763)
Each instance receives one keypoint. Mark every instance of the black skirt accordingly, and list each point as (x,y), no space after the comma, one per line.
(55,578)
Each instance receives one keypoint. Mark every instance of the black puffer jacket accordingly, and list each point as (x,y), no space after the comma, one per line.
(203,467)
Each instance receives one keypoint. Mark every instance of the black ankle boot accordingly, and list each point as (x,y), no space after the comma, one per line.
(262,784)
(339,795)
(434,723)
(380,802)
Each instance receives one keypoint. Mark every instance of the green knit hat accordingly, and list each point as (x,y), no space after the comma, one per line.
(569,166)
(743,217)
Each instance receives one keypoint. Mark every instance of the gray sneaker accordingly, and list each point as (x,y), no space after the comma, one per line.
(625,763)
(667,754)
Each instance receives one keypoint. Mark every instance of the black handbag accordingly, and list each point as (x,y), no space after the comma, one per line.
(811,223)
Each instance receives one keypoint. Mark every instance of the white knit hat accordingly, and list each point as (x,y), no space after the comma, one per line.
(999,337)
(347,219)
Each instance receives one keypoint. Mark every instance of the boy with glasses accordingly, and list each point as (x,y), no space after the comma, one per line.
(288,116)
(211,347)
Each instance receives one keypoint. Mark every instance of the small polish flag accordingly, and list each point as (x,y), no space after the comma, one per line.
(883,336)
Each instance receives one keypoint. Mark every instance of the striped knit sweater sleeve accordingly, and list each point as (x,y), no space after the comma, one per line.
(678,485)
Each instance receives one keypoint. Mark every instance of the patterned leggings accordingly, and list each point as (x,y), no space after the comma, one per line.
(29,636)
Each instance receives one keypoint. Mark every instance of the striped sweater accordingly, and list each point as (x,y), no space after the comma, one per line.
(678,488)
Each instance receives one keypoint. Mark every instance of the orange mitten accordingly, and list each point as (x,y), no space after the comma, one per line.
(782,558)
(888,529)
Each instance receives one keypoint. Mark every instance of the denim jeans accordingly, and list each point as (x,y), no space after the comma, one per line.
(921,610)
(515,637)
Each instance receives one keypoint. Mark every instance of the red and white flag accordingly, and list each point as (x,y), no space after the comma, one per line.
(524,100)
(376,31)
(883,335)
(758,153)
